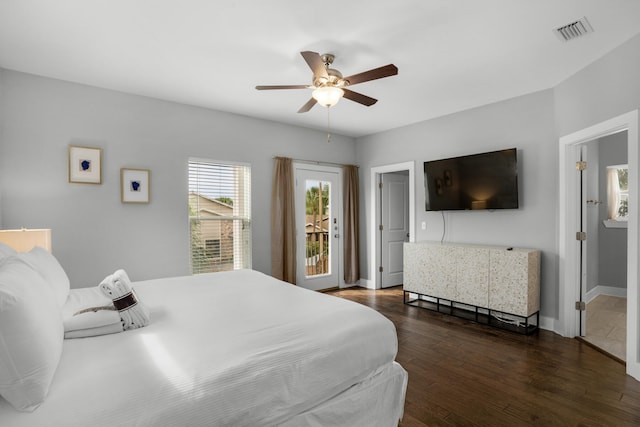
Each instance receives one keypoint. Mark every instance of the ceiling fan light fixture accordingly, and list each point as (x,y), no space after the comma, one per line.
(328,84)
(327,96)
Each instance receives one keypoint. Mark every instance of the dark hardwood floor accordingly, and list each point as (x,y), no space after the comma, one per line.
(465,374)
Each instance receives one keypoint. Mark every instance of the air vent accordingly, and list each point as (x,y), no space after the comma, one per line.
(574,30)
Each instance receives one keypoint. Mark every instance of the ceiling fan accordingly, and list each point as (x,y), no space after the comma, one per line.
(329,85)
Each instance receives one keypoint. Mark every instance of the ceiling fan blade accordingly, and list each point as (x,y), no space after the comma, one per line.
(306,107)
(376,73)
(315,63)
(359,98)
(282,87)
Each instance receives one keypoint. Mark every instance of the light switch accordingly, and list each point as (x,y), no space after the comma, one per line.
(424,225)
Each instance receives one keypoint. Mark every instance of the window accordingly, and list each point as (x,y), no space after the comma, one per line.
(617,192)
(212,248)
(219,215)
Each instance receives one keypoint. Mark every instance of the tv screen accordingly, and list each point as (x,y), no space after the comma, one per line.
(475,182)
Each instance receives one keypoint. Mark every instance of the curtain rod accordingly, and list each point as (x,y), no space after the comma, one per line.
(316,162)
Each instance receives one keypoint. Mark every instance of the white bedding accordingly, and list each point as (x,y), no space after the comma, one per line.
(234,348)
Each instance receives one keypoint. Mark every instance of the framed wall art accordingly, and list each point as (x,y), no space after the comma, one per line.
(134,185)
(85,165)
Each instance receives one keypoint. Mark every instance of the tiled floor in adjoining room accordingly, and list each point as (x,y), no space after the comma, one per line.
(607,324)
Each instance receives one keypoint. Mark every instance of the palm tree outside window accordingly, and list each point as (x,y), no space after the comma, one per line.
(618,192)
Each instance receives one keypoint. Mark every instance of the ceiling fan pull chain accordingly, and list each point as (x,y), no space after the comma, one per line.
(328,125)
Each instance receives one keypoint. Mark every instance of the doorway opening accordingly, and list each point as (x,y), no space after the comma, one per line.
(570,248)
(604,206)
(376,268)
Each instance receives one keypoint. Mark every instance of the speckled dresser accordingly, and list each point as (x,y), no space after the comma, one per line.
(485,278)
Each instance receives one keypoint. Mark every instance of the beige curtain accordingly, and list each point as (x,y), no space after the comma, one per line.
(613,193)
(350,206)
(283,224)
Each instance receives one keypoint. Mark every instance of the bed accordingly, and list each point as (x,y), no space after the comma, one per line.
(236,348)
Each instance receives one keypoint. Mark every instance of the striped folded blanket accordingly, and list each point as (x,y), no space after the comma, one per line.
(88,312)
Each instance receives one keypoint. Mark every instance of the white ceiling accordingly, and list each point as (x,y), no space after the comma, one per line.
(451,54)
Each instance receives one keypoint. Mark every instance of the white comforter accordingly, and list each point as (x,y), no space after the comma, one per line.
(235,348)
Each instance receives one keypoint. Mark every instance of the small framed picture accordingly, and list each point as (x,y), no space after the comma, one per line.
(85,165)
(134,185)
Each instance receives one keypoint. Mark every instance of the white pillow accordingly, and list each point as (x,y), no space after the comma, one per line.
(31,335)
(50,269)
(6,250)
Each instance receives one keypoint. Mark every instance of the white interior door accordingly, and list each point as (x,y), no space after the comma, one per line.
(318,218)
(395,226)
(583,244)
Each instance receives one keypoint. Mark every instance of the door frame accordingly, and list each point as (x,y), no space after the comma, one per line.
(375,281)
(340,249)
(569,199)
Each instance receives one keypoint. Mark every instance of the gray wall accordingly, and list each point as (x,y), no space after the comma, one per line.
(533,123)
(604,89)
(525,123)
(612,259)
(93,232)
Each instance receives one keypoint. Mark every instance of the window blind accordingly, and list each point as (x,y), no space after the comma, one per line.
(219,216)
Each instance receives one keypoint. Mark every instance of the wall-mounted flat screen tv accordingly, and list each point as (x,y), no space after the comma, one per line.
(474,182)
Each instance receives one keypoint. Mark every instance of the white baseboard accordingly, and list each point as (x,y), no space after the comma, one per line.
(366,283)
(548,324)
(611,291)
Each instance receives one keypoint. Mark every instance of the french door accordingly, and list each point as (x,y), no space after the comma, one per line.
(318,222)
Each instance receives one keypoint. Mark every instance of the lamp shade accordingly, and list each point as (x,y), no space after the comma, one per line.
(327,96)
(24,240)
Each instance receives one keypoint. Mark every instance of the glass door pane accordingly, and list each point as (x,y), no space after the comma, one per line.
(318,245)
(317,228)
